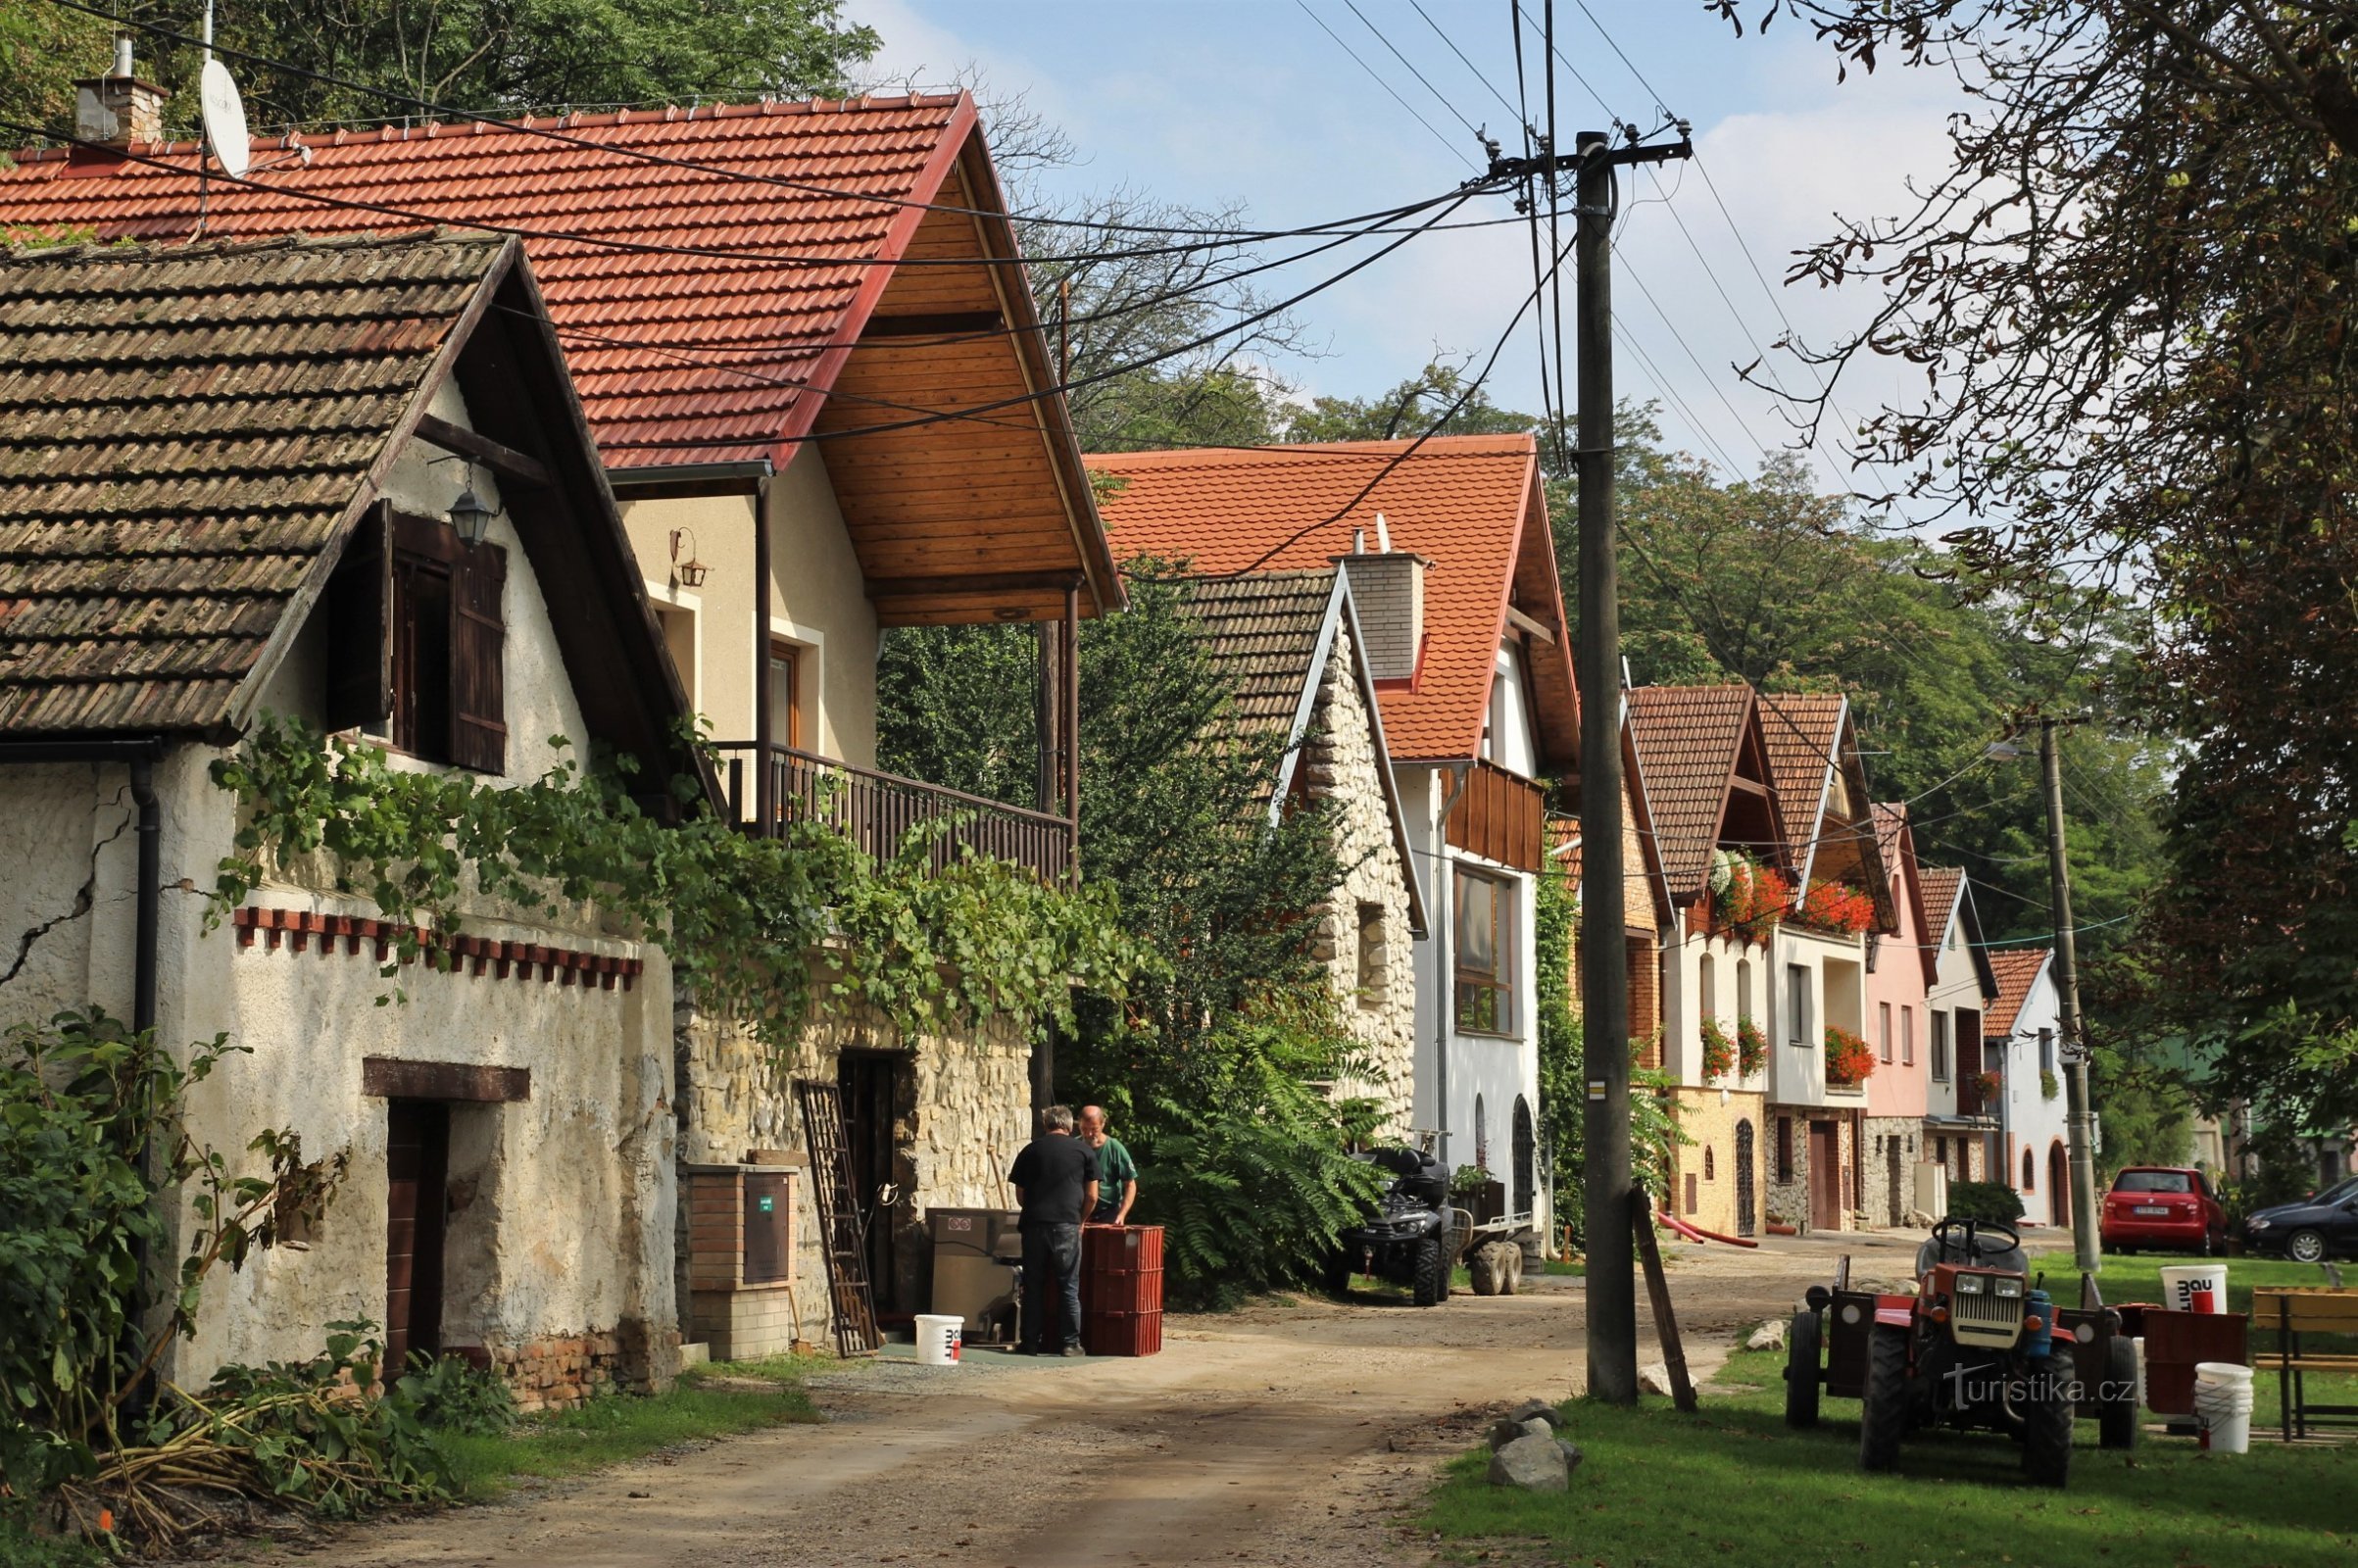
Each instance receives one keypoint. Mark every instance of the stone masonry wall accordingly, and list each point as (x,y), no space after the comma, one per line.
(1341,768)
(971,1096)
(1890,1151)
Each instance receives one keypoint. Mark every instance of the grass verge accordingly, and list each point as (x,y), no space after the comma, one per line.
(717,1401)
(1734,1484)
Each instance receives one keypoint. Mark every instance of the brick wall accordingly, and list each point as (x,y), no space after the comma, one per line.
(1388,592)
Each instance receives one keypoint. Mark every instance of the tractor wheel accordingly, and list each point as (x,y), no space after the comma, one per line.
(1883,1417)
(2116,1413)
(2046,1451)
(1511,1257)
(1431,1285)
(1485,1267)
(1802,1369)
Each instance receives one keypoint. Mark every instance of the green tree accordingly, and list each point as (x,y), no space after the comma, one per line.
(487,57)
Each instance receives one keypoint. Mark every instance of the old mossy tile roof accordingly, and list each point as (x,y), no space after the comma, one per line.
(1260,632)
(700,264)
(1687,740)
(2016,970)
(182,431)
(1470,503)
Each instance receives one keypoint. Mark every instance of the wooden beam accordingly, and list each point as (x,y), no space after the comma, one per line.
(1530,626)
(934,324)
(1749,786)
(390,1078)
(1003,582)
(502,460)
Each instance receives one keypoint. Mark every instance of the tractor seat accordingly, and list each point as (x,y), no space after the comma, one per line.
(1987,1252)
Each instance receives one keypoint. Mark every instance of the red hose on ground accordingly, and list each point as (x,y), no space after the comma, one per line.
(1696,1233)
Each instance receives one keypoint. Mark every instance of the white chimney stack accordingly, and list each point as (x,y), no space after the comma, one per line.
(1388,593)
(117,108)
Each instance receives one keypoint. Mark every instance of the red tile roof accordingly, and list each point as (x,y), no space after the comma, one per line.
(789,270)
(1687,739)
(2018,970)
(1941,884)
(1470,503)
(1800,730)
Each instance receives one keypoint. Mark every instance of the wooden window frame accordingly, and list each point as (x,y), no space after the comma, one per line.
(1796,1006)
(794,655)
(374,655)
(1497,983)
(1942,1027)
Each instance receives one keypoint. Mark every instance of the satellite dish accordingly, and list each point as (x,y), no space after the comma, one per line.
(224,120)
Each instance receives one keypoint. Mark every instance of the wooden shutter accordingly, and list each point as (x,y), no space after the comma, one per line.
(358,611)
(479,708)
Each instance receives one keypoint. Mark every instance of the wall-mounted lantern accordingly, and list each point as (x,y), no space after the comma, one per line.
(688,573)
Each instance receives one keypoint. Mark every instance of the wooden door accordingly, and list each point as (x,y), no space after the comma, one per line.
(2059,1186)
(1825,1176)
(870,1082)
(417,1172)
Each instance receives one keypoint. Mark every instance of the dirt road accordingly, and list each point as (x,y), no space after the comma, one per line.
(1274,1436)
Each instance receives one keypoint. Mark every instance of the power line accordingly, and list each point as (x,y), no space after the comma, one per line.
(1659,102)
(1434,130)
(1446,103)
(1570,67)
(1470,66)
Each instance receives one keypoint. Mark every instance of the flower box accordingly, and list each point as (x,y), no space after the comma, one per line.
(1849,1061)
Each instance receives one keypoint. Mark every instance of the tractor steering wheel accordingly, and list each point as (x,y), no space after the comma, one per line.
(1973,1230)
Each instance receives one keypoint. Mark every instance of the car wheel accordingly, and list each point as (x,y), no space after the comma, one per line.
(1802,1369)
(2306,1245)
(2046,1451)
(1883,1415)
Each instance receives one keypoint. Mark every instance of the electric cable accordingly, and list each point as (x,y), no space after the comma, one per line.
(1474,129)
(1453,148)
(1420,9)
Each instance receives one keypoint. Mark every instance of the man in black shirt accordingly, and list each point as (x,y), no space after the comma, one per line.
(1055,1180)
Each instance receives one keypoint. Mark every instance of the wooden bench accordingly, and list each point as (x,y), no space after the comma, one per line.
(2293,1313)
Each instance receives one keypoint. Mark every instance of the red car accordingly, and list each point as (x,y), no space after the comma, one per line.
(2168,1208)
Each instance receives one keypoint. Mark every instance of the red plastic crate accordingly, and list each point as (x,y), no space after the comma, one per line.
(1122,1248)
(1122,1293)
(1121,1333)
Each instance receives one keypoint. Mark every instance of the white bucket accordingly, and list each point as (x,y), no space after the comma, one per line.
(2223,1405)
(939,1337)
(2138,1344)
(2196,1286)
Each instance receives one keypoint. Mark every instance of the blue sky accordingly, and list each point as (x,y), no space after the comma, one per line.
(1209,102)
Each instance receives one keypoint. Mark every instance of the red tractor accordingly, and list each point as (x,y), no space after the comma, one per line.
(1978,1344)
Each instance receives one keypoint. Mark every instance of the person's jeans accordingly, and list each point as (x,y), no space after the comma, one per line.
(1051,1275)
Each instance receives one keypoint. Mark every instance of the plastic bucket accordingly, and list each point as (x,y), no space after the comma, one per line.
(939,1337)
(2195,1288)
(2138,1344)
(2223,1412)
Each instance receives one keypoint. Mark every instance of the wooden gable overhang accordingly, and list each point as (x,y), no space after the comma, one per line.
(1975,944)
(1533,616)
(1749,818)
(1846,846)
(987,515)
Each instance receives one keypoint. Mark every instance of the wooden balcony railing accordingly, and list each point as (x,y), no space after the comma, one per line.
(1499,815)
(876,810)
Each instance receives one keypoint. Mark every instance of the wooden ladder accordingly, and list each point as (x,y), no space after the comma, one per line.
(839,1229)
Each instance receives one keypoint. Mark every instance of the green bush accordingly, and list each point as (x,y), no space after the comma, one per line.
(1984,1202)
(450,1396)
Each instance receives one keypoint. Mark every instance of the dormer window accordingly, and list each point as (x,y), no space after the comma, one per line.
(417,641)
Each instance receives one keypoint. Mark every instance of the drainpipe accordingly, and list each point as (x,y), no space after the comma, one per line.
(765,793)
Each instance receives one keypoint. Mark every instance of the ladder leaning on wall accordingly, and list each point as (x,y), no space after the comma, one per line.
(840,1231)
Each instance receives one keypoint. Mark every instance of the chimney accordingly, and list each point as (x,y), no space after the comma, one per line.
(118,108)
(1388,590)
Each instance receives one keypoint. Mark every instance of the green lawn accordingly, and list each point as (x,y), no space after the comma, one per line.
(1733,1483)
(710,1401)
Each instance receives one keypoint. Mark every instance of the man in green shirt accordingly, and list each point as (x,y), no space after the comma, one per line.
(1117,1172)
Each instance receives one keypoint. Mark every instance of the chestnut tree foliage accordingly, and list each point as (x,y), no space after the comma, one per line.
(2132,295)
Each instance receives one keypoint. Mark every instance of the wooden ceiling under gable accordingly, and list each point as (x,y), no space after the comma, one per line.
(962,519)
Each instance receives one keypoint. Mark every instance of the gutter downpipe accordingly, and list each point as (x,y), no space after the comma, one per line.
(764,797)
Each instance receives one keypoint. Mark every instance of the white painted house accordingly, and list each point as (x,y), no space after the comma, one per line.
(2022,1035)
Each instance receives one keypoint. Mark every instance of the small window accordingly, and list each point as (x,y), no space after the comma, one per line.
(1743,991)
(1940,1044)
(1882,1024)
(1784,1148)
(1710,1172)
(1907,1035)
(1797,1005)
(2030,1170)
(417,641)
(785,694)
(1484,965)
(1372,956)
(2046,1050)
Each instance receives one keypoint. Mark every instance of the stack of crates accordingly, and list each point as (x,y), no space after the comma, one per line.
(1121,1290)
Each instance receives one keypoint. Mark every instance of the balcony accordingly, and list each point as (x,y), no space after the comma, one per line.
(876,810)
(1499,815)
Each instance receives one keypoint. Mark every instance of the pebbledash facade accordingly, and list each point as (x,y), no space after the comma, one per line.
(1289,644)
(783,512)
(231,469)
(1452,577)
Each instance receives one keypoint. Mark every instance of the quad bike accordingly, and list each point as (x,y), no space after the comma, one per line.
(1978,1344)
(1411,1239)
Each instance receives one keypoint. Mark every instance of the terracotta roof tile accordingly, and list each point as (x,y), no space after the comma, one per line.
(1460,500)
(782,263)
(2018,970)
(180,430)
(1800,730)
(1687,739)
(1941,884)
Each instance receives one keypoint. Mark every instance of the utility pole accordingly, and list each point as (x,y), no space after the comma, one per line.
(2079,1118)
(1613,1287)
